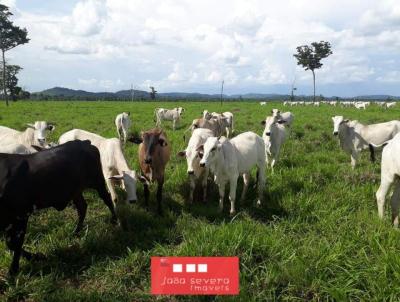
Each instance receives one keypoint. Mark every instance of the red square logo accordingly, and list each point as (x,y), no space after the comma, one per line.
(195,275)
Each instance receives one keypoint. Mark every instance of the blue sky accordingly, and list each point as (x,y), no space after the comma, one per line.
(190,45)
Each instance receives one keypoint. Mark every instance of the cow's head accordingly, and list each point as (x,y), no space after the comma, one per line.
(207,115)
(152,140)
(129,183)
(276,112)
(40,130)
(270,122)
(180,110)
(209,151)
(192,158)
(337,121)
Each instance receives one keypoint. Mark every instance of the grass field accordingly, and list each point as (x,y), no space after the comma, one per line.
(317,237)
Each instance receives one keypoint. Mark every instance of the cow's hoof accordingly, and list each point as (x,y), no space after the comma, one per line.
(258,204)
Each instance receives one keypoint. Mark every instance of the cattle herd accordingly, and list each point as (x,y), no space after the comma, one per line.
(35,174)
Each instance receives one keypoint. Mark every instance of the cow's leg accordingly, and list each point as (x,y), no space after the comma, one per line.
(260,182)
(124,131)
(81,207)
(159,196)
(192,180)
(354,157)
(221,189)
(119,132)
(14,240)
(381,195)
(395,203)
(105,196)
(204,185)
(173,124)
(111,189)
(232,193)
(146,191)
(246,181)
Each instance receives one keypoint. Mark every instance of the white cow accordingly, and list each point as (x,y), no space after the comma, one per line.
(360,105)
(390,173)
(225,119)
(263,103)
(195,172)
(316,104)
(113,162)
(288,117)
(274,136)
(213,124)
(173,115)
(390,104)
(35,134)
(123,123)
(228,159)
(355,137)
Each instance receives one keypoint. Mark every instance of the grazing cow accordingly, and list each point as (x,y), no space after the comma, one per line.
(263,103)
(173,115)
(225,120)
(51,178)
(115,167)
(288,117)
(228,159)
(212,124)
(195,172)
(355,137)
(274,136)
(316,104)
(123,123)
(360,105)
(154,154)
(390,104)
(35,134)
(333,103)
(390,173)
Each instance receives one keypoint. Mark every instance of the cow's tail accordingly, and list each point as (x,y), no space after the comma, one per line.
(372,149)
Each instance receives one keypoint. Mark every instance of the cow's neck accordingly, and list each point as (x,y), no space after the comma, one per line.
(28,137)
(218,165)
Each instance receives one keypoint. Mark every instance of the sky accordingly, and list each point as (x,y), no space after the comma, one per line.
(192,45)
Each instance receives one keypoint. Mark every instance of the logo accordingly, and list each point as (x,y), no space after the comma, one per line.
(195,275)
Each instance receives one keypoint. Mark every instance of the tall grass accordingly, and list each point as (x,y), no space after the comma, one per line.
(317,236)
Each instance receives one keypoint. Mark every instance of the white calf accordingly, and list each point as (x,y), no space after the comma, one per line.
(123,123)
(195,172)
(274,136)
(35,134)
(228,159)
(355,137)
(173,115)
(113,162)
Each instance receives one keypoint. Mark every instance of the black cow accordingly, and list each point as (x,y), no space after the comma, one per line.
(50,178)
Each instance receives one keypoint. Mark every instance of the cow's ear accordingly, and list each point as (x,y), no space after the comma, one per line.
(129,113)
(182,153)
(37,148)
(143,180)
(51,127)
(116,177)
(162,142)
(30,126)
(136,140)
(263,123)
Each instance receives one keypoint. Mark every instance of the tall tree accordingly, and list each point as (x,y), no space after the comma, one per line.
(12,87)
(310,56)
(153,93)
(10,37)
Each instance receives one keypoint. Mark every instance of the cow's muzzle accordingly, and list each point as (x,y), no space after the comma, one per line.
(268,133)
(191,172)
(335,133)
(202,165)
(41,141)
(148,160)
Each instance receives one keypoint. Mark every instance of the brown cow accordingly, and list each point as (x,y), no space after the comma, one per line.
(154,154)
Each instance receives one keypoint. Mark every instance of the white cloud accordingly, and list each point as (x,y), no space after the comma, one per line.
(178,44)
